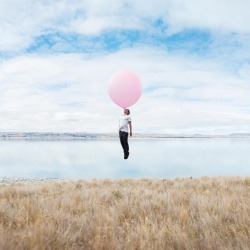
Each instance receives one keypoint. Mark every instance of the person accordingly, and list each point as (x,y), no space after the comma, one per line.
(124,122)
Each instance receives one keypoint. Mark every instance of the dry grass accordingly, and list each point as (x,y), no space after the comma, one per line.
(203,213)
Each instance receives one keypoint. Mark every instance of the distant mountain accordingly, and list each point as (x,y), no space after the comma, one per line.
(240,134)
(92,136)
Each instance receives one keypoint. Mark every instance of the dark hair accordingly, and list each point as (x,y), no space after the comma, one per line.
(128,111)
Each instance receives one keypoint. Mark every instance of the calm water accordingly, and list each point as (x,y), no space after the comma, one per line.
(163,158)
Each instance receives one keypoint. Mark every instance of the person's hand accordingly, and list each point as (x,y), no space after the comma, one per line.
(130,133)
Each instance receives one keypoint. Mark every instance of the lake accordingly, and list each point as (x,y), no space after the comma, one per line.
(149,158)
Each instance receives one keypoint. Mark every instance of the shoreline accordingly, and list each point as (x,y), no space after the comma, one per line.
(29,180)
(36,180)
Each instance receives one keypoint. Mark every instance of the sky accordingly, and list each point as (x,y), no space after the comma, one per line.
(192,56)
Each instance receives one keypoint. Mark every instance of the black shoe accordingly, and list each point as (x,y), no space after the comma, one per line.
(126,156)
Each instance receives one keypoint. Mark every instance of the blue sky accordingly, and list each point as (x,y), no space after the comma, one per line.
(190,41)
(193,58)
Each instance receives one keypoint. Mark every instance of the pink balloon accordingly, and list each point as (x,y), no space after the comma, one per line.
(124,88)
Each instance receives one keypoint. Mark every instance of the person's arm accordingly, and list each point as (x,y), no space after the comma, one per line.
(130,127)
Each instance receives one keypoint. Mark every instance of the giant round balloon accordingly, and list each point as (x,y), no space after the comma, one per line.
(124,88)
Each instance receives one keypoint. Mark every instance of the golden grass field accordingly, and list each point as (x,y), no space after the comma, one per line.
(202,213)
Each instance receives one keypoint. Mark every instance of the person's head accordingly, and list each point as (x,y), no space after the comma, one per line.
(126,111)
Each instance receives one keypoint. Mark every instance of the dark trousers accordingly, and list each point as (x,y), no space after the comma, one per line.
(124,141)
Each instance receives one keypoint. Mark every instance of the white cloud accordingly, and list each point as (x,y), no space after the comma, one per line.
(23,20)
(223,15)
(183,92)
(69,93)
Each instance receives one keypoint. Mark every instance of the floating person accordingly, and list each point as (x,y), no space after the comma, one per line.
(124,123)
(125,89)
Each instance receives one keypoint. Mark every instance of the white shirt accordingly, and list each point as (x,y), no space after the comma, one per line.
(123,123)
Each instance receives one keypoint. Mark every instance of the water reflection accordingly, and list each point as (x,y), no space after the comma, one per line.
(163,158)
